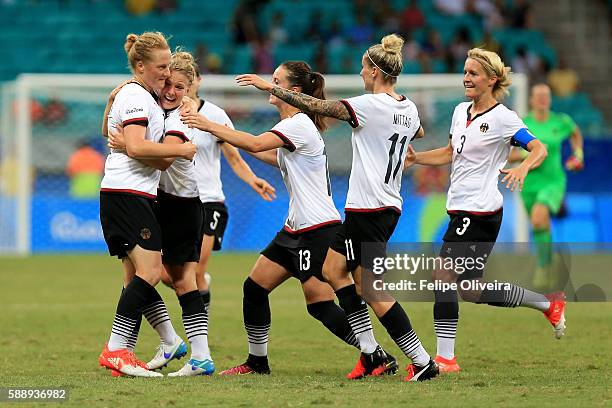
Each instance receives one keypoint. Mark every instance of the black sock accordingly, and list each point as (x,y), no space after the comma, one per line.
(195,321)
(446,318)
(398,326)
(334,318)
(206,298)
(131,342)
(357,315)
(129,310)
(257,317)
(512,297)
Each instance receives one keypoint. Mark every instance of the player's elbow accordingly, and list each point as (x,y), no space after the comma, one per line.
(256,146)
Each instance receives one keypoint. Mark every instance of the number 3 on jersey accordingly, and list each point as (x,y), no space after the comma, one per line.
(393,140)
(464,227)
(460,148)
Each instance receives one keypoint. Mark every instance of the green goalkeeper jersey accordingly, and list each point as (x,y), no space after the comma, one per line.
(552,133)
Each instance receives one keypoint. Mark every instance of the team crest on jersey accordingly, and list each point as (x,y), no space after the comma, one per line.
(484,127)
(145,233)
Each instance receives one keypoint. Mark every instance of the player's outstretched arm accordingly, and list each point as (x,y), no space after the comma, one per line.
(242,140)
(242,170)
(435,157)
(305,103)
(516,176)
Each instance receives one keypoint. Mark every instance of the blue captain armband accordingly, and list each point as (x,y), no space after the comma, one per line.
(522,138)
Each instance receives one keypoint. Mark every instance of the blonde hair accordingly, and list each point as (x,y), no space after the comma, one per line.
(183,62)
(140,47)
(493,66)
(387,56)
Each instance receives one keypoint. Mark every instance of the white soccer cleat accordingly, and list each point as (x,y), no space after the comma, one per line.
(195,367)
(166,353)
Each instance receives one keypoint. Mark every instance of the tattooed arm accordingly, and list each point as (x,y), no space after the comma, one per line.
(306,103)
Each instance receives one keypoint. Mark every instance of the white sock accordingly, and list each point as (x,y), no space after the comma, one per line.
(446,347)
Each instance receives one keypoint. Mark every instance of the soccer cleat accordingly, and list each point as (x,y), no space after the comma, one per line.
(140,363)
(373,364)
(416,373)
(195,367)
(447,366)
(123,363)
(166,353)
(248,367)
(556,313)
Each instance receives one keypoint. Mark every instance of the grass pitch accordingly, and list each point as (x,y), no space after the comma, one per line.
(57,312)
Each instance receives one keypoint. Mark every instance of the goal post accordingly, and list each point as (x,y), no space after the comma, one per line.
(37,213)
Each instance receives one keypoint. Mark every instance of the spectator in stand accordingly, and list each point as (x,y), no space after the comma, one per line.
(563,80)
(459,47)
(451,7)
(139,7)
(520,14)
(85,168)
(361,32)
(432,44)
(263,60)
(524,61)
(333,35)
(54,112)
(244,21)
(489,43)
(412,48)
(165,6)
(278,33)
(315,31)
(412,17)
(320,58)
(385,18)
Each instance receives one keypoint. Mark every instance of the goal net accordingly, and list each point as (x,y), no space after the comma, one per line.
(47,207)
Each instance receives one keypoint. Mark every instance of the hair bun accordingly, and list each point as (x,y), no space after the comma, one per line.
(392,43)
(130,40)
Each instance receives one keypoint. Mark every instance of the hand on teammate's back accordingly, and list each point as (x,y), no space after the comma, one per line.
(410,158)
(255,80)
(189,150)
(116,140)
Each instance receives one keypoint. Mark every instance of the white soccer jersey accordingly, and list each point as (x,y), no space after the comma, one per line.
(303,165)
(383,127)
(480,150)
(133,105)
(180,178)
(208,157)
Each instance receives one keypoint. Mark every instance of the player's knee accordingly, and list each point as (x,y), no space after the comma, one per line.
(253,292)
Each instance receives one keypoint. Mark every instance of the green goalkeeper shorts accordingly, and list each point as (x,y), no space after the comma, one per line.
(551,196)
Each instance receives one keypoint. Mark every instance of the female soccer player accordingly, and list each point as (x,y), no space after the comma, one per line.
(544,186)
(295,146)
(128,189)
(481,134)
(208,171)
(383,122)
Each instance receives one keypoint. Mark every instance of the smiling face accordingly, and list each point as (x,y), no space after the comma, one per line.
(475,80)
(155,71)
(280,78)
(176,87)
